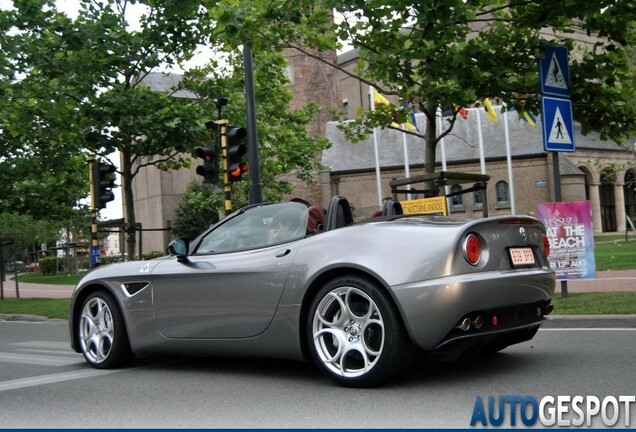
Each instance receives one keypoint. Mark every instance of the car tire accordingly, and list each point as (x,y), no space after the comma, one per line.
(102,333)
(355,333)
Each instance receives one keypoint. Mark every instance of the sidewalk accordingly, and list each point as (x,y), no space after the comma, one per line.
(31,290)
(605,281)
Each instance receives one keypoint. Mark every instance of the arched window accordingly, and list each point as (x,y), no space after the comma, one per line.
(478,197)
(503,197)
(457,201)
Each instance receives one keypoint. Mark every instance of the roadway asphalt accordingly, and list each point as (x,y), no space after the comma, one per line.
(617,280)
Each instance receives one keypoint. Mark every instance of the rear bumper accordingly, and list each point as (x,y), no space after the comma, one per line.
(431,309)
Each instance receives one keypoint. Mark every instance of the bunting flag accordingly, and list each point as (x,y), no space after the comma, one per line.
(461,111)
(411,124)
(492,115)
(379,99)
(524,114)
(530,118)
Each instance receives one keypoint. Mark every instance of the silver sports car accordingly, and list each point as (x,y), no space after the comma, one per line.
(288,281)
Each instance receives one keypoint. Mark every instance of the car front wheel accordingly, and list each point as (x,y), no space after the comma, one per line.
(356,335)
(102,334)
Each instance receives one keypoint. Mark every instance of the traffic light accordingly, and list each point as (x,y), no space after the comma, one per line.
(210,168)
(103,182)
(235,152)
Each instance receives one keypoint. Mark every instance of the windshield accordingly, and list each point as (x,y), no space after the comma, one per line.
(256,227)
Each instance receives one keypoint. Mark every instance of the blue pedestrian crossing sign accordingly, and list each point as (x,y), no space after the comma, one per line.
(556,118)
(554,72)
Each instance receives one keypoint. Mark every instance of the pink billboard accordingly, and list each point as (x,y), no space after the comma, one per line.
(569,229)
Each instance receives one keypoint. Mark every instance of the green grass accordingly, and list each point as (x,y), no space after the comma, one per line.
(61,279)
(619,255)
(595,303)
(46,307)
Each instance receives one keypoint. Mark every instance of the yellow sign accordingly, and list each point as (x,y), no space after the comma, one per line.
(435,205)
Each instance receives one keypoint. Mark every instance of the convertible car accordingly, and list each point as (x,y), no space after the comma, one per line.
(289,281)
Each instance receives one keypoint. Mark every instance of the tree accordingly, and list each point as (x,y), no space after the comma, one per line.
(453,53)
(77,86)
(27,233)
(197,210)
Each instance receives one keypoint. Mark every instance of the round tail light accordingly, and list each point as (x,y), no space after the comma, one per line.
(546,245)
(472,249)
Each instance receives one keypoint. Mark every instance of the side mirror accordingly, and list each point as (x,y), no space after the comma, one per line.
(179,248)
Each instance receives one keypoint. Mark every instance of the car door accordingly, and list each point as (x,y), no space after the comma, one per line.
(233,293)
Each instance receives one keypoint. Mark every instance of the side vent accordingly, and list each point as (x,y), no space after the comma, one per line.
(133,288)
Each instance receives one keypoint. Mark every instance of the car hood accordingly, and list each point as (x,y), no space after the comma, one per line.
(121,270)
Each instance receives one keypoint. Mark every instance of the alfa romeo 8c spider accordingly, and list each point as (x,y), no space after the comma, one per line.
(288,281)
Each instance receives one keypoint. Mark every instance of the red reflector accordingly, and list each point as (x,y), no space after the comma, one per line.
(472,249)
(495,320)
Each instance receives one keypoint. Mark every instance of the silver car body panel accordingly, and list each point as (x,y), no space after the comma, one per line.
(251,302)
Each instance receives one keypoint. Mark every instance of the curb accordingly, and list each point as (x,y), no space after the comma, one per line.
(27,318)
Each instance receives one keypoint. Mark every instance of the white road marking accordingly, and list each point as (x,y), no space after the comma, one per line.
(52,378)
(37,359)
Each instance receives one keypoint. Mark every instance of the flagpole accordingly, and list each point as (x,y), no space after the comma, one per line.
(482,159)
(438,127)
(407,168)
(511,186)
(375,148)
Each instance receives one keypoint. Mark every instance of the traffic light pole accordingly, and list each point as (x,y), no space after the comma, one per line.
(94,239)
(227,188)
(255,195)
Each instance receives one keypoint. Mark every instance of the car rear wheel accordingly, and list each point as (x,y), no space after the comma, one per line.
(356,334)
(102,333)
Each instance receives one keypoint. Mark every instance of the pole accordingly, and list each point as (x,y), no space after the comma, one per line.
(378,179)
(95,258)
(482,158)
(557,197)
(513,208)
(15,277)
(407,168)
(255,194)
(227,187)
(438,127)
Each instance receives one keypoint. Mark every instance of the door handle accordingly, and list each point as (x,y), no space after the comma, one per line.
(282,253)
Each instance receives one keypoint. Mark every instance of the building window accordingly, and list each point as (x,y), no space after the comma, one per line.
(478,197)
(503,198)
(345,109)
(457,201)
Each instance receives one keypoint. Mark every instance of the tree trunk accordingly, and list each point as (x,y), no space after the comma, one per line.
(128,196)
(430,136)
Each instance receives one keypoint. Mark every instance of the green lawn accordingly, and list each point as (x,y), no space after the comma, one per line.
(619,255)
(594,303)
(61,279)
(46,307)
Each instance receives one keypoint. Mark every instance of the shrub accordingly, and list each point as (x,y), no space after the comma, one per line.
(48,265)
(152,255)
